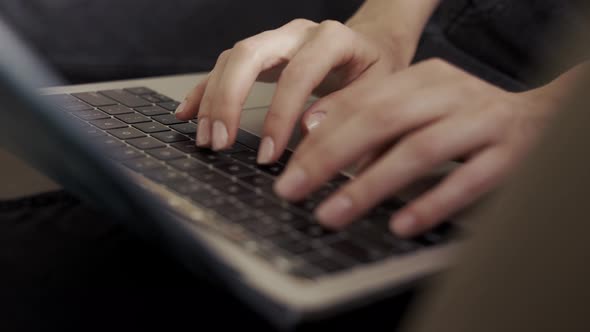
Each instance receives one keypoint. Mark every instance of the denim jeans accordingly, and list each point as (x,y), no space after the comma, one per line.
(504,41)
(94,40)
(514,37)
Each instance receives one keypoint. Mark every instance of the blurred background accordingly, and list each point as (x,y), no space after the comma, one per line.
(89,40)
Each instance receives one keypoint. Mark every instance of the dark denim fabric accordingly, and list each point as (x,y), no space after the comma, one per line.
(92,40)
(515,37)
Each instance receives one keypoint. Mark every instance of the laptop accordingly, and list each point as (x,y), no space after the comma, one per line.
(119,146)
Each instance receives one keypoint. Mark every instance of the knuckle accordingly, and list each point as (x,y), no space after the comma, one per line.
(423,149)
(331,26)
(301,22)
(223,57)
(246,47)
(436,62)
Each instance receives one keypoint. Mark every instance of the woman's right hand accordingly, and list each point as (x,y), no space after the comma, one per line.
(304,57)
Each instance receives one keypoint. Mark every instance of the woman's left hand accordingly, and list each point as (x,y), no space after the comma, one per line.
(421,117)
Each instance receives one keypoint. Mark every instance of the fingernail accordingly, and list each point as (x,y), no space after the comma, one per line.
(291,182)
(404,224)
(266,151)
(334,210)
(180,107)
(203,133)
(314,120)
(219,135)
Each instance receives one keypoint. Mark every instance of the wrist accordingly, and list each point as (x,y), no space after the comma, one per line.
(397,24)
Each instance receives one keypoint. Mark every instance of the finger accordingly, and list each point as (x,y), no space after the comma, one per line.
(204,124)
(332,45)
(414,157)
(189,108)
(460,189)
(369,159)
(324,153)
(248,59)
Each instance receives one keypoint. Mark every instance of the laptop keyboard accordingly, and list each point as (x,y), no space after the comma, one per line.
(137,128)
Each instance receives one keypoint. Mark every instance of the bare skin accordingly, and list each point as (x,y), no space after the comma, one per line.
(399,121)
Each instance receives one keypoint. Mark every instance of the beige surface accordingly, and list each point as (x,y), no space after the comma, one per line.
(17,179)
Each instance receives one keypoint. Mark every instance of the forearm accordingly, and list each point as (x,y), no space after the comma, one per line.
(400,19)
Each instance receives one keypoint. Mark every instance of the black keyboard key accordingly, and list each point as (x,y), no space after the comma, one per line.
(116,109)
(234,169)
(323,192)
(125,153)
(274,170)
(126,133)
(132,118)
(380,243)
(234,212)
(389,207)
(236,148)
(163,98)
(151,98)
(185,128)
(235,189)
(170,105)
(92,132)
(316,231)
(262,182)
(108,124)
(187,147)
(126,98)
(288,218)
(439,235)
(188,188)
(307,205)
(166,176)
(292,244)
(166,154)
(258,202)
(209,156)
(325,262)
(90,115)
(143,164)
(94,99)
(150,127)
(210,198)
(286,157)
(168,119)
(247,157)
(73,121)
(108,142)
(262,226)
(170,137)
(352,250)
(140,91)
(339,180)
(187,165)
(152,110)
(211,177)
(67,103)
(146,143)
